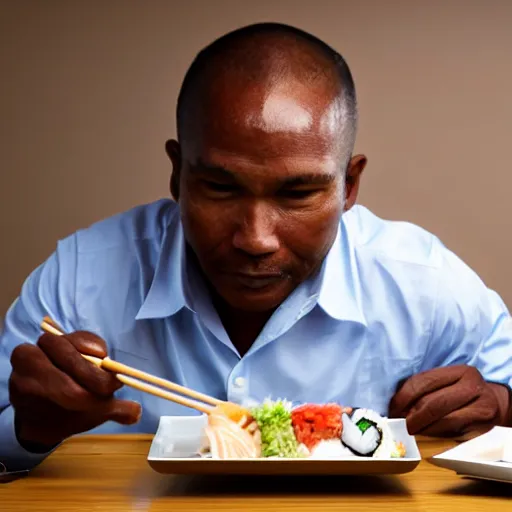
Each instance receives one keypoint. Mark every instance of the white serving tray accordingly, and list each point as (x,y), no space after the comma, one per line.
(179,438)
(487,457)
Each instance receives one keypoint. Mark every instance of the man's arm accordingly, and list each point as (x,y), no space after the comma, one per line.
(49,290)
(471,324)
(466,374)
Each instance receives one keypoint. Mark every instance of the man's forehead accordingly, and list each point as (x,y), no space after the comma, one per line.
(285,104)
(292,108)
(272,125)
(296,170)
(255,153)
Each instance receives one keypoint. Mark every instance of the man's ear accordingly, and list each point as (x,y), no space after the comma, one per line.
(173,150)
(352,179)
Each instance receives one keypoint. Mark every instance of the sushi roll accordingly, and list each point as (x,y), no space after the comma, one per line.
(314,423)
(366,434)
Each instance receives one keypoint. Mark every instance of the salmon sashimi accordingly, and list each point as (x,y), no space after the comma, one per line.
(235,412)
(229,440)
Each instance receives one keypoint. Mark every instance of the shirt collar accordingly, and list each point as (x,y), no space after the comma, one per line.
(339,294)
(168,292)
(337,284)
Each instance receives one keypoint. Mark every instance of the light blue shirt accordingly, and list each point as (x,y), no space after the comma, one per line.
(389,302)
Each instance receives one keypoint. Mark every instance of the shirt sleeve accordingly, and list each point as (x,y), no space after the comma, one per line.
(49,290)
(471,324)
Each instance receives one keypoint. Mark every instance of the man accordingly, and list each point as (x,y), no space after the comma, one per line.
(263,280)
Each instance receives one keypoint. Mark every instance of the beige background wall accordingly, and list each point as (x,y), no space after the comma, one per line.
(88,89)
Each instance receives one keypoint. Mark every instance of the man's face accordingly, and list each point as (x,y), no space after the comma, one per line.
(261,191)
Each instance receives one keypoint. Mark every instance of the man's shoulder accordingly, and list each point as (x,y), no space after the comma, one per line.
(391,240)
(142,224)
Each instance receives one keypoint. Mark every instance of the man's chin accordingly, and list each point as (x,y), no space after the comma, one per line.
(256,300)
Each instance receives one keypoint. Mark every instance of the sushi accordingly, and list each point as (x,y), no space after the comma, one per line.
(367,434)
(230,440)
(274,429)
(313,423)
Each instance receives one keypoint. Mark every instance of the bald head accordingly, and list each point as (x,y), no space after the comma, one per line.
(263,168)
(290,73)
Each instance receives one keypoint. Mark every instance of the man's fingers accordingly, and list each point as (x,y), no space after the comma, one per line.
(56,393)
(64,355)
(25,358)
(35,377)
(88,343)
(437,405)
(124,412)
(473,419)
(84,342)
(422,384)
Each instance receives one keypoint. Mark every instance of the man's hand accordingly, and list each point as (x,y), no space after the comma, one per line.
(453,401)
(56,393)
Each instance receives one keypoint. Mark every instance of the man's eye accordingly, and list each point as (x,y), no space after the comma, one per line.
(297,193)
(219,187)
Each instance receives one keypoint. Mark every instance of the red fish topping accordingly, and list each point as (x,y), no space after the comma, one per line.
(313,423)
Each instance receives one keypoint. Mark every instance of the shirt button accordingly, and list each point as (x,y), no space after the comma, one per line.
(239,382)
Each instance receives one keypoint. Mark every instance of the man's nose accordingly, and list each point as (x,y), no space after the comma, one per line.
(256,230)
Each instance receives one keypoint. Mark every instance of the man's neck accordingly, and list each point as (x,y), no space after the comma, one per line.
(242,327)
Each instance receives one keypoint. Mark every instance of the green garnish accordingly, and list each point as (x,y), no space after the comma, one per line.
(274,420)
(363,424)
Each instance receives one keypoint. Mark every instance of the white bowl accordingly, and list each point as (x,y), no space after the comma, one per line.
(180,436)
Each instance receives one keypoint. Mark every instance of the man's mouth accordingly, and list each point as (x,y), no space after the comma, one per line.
(257,281)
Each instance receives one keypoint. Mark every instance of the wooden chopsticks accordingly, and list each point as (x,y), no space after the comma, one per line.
(134,378)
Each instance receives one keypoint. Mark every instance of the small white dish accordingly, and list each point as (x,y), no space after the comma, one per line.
(487,457)
(507,448)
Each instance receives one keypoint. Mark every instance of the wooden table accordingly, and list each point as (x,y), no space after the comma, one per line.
(95,473)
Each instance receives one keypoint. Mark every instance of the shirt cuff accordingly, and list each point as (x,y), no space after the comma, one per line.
(12,455)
